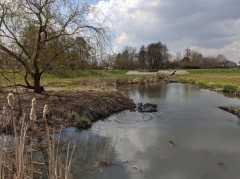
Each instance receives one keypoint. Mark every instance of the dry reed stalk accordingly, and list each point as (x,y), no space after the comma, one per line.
(45,112)
(20,164)
(34,103)
(1,157)
(11,100)
(55,167)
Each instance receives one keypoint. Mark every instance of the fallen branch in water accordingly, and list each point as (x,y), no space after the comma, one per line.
(140,170)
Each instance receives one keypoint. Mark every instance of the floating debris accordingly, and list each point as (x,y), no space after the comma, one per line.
(105,162)
(170,142)
(148,107)
(140,170)
(220,163)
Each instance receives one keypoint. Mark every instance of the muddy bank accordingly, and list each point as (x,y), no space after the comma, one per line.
(154,78)
(69,109)
(234,110)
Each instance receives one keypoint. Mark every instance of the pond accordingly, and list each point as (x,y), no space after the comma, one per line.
(189,137)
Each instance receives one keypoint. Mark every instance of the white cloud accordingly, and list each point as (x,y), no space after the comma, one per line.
(211,26)
(230,50)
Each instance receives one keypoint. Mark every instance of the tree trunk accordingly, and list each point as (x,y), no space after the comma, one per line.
(37,86)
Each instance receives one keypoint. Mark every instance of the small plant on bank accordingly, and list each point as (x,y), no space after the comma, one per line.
(82,122)
(229,88)
(202,84)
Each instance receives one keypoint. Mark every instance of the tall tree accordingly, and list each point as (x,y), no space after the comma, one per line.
(188,52)
(165,56)
(142,56)
(126,59)
(196,59)
(47,23)
(157,55)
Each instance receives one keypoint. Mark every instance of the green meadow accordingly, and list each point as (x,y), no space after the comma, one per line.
(226,80)
(71,79)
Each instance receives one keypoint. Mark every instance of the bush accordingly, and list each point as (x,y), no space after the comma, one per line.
(82,122)
(229,88)
(202,84)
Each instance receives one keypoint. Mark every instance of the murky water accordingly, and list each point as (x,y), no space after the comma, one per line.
(188,138)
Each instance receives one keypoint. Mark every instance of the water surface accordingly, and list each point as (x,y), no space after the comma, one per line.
(207,138)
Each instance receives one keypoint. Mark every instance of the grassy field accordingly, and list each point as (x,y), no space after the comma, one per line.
(75,79)
(226,80)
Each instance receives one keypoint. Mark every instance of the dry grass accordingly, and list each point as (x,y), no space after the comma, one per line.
(66,106)
(17,155)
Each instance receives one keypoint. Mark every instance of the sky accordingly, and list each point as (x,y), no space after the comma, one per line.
(211,27)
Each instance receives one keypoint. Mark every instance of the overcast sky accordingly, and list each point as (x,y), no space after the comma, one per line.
(209,26)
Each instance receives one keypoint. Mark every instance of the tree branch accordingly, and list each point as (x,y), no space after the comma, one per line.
(15,39)
(54,58)
(4,12)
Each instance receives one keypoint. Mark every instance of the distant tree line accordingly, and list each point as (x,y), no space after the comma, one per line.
(194,59)
(81,56)
(154,56)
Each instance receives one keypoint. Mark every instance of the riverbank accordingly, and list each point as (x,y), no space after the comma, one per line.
(75,80)
(72,102)
(69,109)
(232,109)
(77,105)
(221,80)
(226,81)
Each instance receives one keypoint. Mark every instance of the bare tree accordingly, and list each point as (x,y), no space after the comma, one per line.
(46,23)
(188,53)
(196,59)
(142,57)
(127,59)
(157,55)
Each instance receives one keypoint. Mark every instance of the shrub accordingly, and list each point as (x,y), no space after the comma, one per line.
(82,122)
(202,84)
(229,88)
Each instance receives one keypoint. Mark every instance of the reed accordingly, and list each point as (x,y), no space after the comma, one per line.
(17,152)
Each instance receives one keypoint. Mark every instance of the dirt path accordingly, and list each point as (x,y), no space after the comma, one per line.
(167,72)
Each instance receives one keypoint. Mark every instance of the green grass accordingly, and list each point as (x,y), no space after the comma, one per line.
(76,78)
(215,71)
(70,79)
(16,76)
(83,73)
(226,80)
(82,122)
